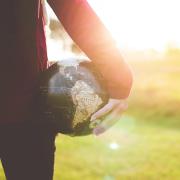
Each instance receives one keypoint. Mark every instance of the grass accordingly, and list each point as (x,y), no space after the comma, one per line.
(144,144)
(144,152)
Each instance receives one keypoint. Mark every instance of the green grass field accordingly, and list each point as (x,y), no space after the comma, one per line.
(144,144)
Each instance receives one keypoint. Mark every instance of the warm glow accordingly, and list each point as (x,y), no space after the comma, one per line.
(141,24)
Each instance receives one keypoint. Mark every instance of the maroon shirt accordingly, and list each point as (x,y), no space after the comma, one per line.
(23,51)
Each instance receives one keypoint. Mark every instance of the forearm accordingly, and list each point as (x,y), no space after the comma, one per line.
(88,32)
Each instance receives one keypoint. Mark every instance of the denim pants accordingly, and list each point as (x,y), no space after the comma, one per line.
(27,151)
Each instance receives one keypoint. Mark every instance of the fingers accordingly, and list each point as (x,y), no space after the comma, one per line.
(114,111)
(115,105)
(121,107)
(102,112)
(108,122)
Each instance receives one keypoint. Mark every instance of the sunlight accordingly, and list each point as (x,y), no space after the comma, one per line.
(141,24)
(113,146)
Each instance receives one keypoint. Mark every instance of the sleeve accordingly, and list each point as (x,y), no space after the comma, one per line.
(93,38)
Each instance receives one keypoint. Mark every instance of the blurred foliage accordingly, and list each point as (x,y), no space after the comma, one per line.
(58,33)
(172,51)
(156,88)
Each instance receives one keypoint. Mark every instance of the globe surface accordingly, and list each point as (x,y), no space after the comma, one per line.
(71,91)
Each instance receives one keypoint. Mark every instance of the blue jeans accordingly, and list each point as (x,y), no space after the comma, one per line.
(27,151)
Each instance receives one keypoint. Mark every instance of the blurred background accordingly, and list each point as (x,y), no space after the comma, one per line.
(144,144)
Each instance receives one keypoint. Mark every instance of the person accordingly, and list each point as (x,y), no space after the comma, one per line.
(26,146)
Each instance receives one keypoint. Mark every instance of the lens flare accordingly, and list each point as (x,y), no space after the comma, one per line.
(114,146)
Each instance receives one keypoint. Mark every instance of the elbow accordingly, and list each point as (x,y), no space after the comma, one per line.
(121,88)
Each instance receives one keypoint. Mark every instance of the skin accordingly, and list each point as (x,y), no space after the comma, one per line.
(113,109)
(89,33)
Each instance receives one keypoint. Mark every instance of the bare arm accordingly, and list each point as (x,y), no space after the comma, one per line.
(89,33)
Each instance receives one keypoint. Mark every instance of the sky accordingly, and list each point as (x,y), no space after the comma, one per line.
(140,24)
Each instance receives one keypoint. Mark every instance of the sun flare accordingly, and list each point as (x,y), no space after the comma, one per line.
(141,24)
(136,25)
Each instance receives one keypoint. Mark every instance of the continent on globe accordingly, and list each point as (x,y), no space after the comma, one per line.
(70,92)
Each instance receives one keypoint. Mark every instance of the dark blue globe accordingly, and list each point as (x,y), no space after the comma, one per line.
(70,92)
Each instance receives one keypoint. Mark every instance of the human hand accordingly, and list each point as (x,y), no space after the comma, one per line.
(112,110)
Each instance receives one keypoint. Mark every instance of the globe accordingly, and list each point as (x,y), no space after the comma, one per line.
(70,92)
